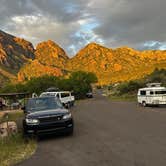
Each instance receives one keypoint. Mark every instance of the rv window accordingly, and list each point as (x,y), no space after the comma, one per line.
(160,92)
(151,92)
(143,93)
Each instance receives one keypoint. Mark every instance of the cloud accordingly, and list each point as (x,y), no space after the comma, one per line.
(132,22)
(74,23)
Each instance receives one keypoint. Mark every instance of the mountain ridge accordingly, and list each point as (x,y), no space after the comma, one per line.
(109,65)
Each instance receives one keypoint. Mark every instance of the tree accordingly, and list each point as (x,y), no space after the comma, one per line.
(81,81)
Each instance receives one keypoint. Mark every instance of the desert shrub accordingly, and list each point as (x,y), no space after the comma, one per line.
(133,86)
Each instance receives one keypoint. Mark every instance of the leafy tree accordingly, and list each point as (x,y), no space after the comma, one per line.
(81,82)
(78,82)
(40,84)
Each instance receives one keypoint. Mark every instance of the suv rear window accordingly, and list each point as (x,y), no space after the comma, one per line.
(47,94)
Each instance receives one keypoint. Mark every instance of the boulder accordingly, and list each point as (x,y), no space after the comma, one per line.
(8,128)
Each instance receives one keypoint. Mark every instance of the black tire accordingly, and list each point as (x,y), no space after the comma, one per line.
(70,132)
(144,104)
(68,105)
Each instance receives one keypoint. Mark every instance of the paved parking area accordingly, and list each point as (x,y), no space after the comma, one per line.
(108,134)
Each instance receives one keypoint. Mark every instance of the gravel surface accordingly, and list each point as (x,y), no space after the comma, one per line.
(107,134)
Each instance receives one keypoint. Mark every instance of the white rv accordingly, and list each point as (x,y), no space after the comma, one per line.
(65,97)
(152,95)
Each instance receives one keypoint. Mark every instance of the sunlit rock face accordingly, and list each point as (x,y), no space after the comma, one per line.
(14,53)
(116,65)
(51,54)
(18,57)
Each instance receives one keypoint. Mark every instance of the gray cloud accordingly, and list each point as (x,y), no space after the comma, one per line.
(71,23)
(132,22)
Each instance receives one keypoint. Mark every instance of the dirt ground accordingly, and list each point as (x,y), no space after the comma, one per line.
(107,134)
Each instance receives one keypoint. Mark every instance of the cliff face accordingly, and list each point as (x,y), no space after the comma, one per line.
(121,64)
(36,69)
(50,59)
(14,53)
(49,53)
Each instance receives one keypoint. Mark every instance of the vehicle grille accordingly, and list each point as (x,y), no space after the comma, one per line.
(50,119)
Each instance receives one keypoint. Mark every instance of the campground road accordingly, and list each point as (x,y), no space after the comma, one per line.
(107,133)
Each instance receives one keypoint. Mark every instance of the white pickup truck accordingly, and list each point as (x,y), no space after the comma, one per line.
(65,97)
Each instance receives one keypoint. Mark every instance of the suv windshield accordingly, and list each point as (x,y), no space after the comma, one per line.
(43,103)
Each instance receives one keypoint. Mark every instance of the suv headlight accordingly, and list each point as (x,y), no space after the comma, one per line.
(32,121)
(67,116)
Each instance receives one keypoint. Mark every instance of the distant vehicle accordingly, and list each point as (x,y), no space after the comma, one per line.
(152,95)
(65,97)
(89,95)
(45,115)
(15,105)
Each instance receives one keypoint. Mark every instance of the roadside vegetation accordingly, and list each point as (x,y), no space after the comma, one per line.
(14,148)
(127,91)
(78,82)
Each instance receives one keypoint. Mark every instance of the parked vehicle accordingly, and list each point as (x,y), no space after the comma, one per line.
(152,96)
(89,95)
(15,105)
(65,97)
(45,115)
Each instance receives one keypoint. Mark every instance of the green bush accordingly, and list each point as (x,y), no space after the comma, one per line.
(157,76)
(81,83)
(133,86)
(78,82)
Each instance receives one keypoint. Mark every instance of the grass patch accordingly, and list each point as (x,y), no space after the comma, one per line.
(14,148)
(125,97)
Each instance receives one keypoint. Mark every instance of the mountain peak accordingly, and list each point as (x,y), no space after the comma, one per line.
(93,45)
(50,53)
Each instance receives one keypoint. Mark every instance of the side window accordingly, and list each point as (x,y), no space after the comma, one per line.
(64,95)
(160,92)
(151,92)
(142,92)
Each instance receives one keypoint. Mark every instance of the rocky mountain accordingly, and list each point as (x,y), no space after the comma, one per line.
(116,65)
(36,69)
(50,59)
(14,52)
(51,54)
(110,65)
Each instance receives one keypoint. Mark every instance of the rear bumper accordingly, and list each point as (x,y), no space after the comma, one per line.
(48,128)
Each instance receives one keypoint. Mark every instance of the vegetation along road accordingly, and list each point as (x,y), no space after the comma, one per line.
(108,134)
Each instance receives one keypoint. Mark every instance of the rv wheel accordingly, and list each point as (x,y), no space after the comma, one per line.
(144,104)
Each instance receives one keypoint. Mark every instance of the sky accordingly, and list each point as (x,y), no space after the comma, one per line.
(140,24)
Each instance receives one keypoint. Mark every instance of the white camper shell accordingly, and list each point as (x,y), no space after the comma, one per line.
(152,96)
(65,97)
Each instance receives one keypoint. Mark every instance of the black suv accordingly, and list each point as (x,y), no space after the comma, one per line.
(46,115)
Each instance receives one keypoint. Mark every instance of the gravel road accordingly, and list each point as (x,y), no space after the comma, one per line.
(107,133)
